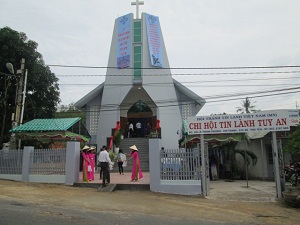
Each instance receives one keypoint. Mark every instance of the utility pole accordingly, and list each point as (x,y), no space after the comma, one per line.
(23,103)
(17,117)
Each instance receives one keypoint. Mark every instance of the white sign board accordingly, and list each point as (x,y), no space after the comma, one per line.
(293,115)
(239,123)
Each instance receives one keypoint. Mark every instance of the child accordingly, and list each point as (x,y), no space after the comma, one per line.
(121,157)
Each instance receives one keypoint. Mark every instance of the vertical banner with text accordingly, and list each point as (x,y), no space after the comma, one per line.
(124,41)
(154,39)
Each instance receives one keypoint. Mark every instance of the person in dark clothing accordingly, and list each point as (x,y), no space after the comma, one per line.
(104,161)
(121,157)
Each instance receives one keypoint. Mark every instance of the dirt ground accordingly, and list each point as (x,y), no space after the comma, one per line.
(146,202)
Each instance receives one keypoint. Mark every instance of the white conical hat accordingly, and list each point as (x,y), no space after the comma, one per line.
(133,147)
(86,147)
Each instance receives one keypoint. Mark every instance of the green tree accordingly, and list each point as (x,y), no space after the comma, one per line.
(230,156)
(69,111)
(293,146)
(247,106)
(42,95)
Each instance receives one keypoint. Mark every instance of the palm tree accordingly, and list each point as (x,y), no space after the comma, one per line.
(247,106)
(230,156)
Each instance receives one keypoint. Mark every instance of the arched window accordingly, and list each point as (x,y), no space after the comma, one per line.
(138,107)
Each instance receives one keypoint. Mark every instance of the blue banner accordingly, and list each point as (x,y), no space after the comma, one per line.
(154,39)
(124,41)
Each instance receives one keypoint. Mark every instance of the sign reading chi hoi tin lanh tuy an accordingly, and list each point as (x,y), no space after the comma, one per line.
(240,123)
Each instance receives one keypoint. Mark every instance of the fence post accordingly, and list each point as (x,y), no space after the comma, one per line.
(72,162)
(154,163)
(27,162)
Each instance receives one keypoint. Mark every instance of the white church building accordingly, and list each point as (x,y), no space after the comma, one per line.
(138,86)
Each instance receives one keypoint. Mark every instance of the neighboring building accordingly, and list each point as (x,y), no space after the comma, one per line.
(138,85)
(258,142)
(59,130)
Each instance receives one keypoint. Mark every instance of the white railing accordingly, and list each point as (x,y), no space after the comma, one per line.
(48,161)
(180,164)
(11,162)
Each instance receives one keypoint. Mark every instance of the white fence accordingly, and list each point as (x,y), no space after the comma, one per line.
(48,161)
(180,164)
(41,165)
(176,171)
(11,162)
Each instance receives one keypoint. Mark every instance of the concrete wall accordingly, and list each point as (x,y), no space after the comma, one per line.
(72,168)
(183,187)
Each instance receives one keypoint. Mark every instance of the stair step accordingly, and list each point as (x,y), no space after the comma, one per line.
(143,147)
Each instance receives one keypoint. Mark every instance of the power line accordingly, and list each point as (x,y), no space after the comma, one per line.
(199,85)
(177,74)
(113,107)
(210,99)
(202,81)
(252,93)
(181,102)
(179,68)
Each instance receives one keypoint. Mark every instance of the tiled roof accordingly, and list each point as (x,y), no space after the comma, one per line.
(42,125)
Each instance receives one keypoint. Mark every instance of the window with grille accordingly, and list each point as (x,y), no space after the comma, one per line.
(186,110)
(94,117)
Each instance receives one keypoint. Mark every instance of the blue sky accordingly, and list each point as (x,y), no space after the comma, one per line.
(197,34)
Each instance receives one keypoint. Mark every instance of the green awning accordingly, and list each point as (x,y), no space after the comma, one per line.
(42,125)
(55,129)
(193,139)
(63,135)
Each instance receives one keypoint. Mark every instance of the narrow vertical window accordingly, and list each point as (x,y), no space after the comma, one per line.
(137,32)
(137,62)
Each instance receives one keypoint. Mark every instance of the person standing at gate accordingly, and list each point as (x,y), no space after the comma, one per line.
(131,130)
(139,129)
(148,129)
(127,130)
(104,161)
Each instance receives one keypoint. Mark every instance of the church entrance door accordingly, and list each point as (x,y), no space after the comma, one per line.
(139,113)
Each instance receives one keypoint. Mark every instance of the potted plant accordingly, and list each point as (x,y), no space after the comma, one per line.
(121,134)
(112,156)
(153,134)
(117,140)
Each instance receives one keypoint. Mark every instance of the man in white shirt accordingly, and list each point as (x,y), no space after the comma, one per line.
(104,163)
(139,129)
(130,129)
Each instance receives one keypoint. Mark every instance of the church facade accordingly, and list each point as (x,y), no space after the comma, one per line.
(138,86)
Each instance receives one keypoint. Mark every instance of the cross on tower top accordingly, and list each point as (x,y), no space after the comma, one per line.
(137,3)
